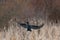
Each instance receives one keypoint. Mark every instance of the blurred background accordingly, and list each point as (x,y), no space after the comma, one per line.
(41,11)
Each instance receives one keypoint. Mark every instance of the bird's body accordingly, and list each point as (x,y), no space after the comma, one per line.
(29,27)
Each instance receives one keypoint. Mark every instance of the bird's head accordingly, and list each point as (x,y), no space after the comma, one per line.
(27,22)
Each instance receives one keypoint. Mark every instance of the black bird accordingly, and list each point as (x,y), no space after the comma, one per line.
(29,27)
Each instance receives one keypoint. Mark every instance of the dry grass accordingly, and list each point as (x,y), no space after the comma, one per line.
(16,32)
(42,9)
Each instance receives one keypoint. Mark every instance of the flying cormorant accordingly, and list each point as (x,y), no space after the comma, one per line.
(29,27)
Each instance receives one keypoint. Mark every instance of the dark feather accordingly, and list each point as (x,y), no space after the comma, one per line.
(23,25)
(36,27)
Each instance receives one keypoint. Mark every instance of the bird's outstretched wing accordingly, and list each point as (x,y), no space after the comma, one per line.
(37,27)
(23,25)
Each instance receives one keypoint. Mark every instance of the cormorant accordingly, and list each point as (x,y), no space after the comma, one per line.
(29,27)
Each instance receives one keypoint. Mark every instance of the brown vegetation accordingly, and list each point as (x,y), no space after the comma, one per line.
(45,10)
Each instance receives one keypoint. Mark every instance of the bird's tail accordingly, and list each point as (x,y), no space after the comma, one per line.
(29,30)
